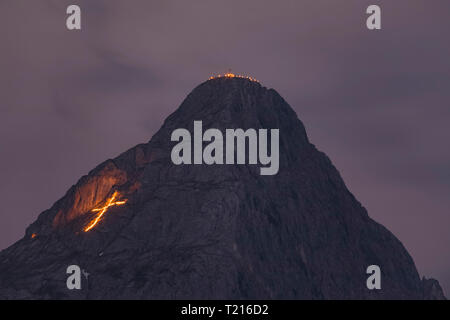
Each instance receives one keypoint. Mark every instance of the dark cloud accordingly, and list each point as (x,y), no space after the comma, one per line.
(376,102)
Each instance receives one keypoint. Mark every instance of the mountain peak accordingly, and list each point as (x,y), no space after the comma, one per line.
(161,230)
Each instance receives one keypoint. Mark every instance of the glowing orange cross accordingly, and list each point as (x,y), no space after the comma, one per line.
(103,210)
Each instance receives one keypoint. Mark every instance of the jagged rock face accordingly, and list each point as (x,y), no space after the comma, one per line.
(213,232)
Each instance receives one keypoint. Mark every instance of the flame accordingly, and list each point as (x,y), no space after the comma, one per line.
(101,211)
(33,235)
(232,75)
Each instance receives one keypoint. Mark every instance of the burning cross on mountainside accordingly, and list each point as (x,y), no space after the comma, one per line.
(101,211)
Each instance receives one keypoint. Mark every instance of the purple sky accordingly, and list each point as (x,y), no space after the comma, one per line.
(377,103)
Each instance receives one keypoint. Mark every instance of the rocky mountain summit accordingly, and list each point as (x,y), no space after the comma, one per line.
(168,231)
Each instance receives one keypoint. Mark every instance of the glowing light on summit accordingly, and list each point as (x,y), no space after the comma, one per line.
(101,211)
(232,75)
